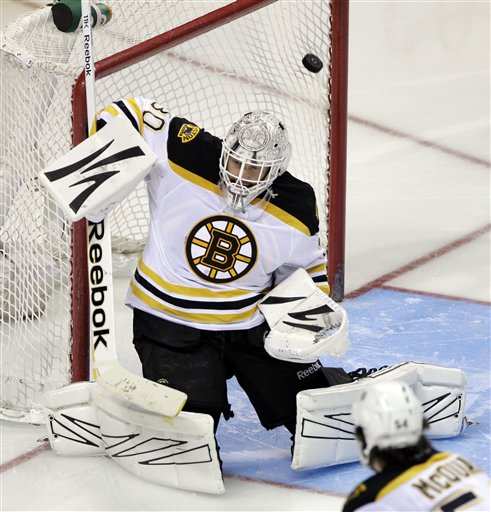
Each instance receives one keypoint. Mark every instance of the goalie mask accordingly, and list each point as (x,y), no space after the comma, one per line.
(255,152)
(387,416)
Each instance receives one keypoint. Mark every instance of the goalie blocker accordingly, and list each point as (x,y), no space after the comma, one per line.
(101,171)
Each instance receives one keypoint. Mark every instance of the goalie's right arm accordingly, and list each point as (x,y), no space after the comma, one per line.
(105,168)
(100,171)
(147,117)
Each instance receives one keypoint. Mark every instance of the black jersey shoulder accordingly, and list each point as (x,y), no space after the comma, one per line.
(367,491)
(297,198)
(364,493)
(194,149)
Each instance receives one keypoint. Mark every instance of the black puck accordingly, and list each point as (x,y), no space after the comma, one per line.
(312,63)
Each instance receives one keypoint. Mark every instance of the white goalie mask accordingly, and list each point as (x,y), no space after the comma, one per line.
(387,416)
(255,152)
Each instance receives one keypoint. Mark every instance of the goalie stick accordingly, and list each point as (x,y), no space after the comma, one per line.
(105,368)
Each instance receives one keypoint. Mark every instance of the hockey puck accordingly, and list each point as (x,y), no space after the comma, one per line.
(312,63)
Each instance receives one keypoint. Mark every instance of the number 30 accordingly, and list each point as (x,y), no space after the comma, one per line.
(155,118)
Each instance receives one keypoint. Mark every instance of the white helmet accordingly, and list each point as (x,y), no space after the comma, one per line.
(260,142)
(387,415)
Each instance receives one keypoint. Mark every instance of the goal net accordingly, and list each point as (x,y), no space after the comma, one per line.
(209,61)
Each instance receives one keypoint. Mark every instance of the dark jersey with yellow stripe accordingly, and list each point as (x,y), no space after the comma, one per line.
(291,195)
(442,482)
(205,265)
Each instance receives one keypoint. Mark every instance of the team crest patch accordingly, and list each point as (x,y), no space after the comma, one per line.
(188,132)
(221,249)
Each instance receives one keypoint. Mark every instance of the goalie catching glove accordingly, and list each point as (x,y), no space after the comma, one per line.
(305,323)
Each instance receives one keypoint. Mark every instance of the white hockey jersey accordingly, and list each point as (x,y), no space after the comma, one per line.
(446,482)
(205,265)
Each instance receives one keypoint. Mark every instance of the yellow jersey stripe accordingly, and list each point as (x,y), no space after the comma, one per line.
(410,473)
(194,317)
(194,178)
(280,214)
(188,290)
(113,111)
(283,216)
(318,268)
(325,288)
(137,110)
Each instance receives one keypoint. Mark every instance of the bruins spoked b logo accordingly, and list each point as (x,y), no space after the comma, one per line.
(221,249)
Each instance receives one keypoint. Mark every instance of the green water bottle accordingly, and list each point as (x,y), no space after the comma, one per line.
(67,14)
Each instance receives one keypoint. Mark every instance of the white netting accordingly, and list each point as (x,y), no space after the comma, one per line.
(252,63)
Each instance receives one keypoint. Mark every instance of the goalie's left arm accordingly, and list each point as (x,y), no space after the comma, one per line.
(306,254)
(305,323)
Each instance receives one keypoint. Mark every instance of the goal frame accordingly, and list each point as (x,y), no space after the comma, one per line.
(336,197)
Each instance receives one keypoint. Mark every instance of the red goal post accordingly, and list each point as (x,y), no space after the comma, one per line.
(206,63)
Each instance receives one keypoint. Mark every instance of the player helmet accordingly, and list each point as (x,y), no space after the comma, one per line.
(387,416)
(255,152)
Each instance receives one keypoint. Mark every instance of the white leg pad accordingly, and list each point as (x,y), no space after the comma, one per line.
(172,451)
(85,419)
(71,418)
(325,431)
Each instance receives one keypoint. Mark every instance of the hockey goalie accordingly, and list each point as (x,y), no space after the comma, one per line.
(232,282)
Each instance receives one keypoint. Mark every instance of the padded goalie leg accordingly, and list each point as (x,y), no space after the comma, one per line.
(173,451)
(84,419)
(71,418)
(325,431)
